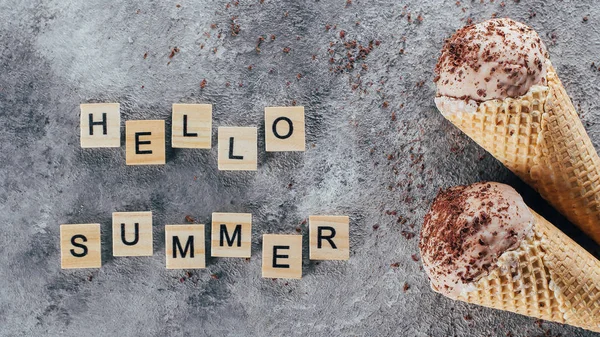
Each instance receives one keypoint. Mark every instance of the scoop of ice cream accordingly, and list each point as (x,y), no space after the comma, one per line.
(493,59)
(467,229)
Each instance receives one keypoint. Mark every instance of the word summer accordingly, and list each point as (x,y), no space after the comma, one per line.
(230,236)
(191,128)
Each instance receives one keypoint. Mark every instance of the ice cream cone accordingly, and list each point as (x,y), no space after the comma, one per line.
(540,137)
(496,83)
(509,257)
(548,276)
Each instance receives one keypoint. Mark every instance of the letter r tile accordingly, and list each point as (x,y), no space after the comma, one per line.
(80,246)
(282,256)
(132,233)
(329,237)
(184,246)
(231,235)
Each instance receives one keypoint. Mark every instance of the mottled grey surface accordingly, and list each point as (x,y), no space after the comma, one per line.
(377,150)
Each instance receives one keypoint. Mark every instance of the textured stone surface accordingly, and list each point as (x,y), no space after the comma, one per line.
(377,150)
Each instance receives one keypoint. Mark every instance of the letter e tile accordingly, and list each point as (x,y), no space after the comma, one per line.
(282,256)
(145,142)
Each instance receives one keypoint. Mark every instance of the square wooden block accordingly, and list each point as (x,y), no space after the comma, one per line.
(284,128)
(231,235)
(184,246)
(238,148)
(132,233)
(100,125)
(80,246)
(329,237)
(192,126)
(282,256)
(145,142)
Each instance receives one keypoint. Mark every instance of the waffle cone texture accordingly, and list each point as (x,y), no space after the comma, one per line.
(540,137)
(548,277)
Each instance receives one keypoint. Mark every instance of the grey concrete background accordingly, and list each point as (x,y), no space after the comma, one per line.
(377,150)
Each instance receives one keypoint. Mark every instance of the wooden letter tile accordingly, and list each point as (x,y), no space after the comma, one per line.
(132,233)
(237,148)
(192,126)
(282,256)
(80,246)
(284,128)
(329,237)
(184,246)
(145,142)
(100,125)
(231,234)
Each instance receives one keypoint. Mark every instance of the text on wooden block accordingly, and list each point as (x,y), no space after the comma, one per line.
(145,142)
(192,126)
(80,246)
(329,237)
(132,233)
(184,246)
(237,148)
(100,125)
(231,235)
(284,129)
(282,256)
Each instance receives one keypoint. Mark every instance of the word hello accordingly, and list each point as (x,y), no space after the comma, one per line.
(231,235)
(191,128)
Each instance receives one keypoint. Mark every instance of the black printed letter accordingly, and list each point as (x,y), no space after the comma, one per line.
(275,256)
(320,236)
(138,142)
(237,232)
(231,156)
(189,245)
(136,235)
(79,245)
(290,130)
(92,123)
(185,133)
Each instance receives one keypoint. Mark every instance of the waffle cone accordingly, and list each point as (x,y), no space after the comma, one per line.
(548,277)
(540,137)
